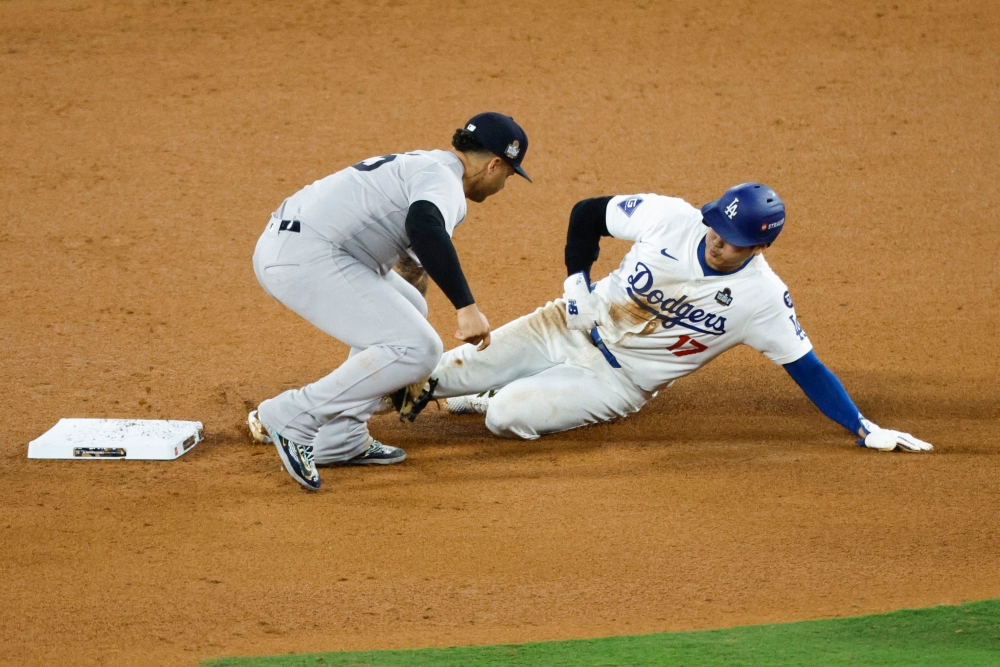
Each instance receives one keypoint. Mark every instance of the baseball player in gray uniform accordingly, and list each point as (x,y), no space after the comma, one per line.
(327,254)
(693,285)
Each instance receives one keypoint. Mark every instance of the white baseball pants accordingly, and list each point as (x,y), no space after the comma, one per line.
(549,378)
(383,318)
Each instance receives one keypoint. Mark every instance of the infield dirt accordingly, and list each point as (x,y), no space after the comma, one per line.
(143,146)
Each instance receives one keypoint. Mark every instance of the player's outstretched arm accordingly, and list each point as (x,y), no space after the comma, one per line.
(433,247)
(828,394)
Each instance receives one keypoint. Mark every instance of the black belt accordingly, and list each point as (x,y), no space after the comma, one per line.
(289,226)
(595,338)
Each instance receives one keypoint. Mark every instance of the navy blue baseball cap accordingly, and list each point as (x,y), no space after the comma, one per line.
(747,215)
(501,136)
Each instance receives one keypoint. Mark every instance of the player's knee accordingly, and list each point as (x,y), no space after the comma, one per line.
(434,352)
(427,354)
(507,417)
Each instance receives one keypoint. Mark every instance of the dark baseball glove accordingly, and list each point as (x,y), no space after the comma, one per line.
(413,273)
(410,401)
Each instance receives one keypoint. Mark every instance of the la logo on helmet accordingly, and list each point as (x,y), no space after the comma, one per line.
(731,209)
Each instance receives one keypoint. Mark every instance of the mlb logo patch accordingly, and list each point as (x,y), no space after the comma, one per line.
(629,205)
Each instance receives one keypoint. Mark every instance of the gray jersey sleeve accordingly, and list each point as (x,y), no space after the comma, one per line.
(436,184)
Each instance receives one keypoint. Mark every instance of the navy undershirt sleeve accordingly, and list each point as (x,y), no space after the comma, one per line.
(587,224)
(825,390)
(433,247)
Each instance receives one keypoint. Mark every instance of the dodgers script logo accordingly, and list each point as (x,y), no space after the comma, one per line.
(672,312)
(629,205)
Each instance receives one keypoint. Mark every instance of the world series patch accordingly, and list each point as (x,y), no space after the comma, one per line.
(724,297)
(629,205)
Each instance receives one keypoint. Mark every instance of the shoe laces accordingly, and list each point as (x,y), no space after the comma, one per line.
(305,450)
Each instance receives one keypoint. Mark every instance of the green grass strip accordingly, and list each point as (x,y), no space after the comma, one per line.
(967,635)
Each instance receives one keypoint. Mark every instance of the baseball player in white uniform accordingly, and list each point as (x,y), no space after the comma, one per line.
(327,254)
(694,284)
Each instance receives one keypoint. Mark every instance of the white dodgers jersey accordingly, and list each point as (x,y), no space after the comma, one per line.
(363,208)
(662,317)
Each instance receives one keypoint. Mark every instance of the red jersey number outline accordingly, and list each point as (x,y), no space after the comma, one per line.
(695,348)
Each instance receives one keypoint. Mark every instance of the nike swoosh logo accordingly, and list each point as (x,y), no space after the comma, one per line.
(665,254)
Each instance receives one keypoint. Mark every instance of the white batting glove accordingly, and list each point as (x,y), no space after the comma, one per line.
(887,440)
(581,304)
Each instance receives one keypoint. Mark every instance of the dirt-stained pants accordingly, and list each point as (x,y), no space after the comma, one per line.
(549,378)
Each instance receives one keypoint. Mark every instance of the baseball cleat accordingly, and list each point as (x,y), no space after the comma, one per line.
(257,430)
(471,404)
(298,460)
(377,454)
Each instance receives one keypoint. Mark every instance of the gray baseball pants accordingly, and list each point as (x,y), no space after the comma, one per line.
(382,318)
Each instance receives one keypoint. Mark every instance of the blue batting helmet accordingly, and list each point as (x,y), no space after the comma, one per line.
(748,214)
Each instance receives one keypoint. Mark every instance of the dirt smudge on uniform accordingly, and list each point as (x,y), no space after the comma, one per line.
(629,316)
